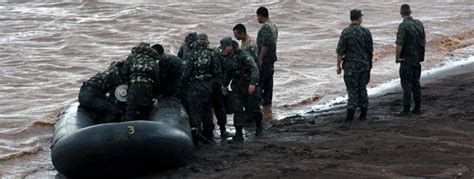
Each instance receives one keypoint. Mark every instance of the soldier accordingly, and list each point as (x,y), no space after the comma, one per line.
(218,99)
(247,42)
(185,47)
(171,70)
(97,94)
(202,69)
(267,44)
(410,51)
(355,50)
(141,70)
(242,70)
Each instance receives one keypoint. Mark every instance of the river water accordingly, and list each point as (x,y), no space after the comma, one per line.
(48,49)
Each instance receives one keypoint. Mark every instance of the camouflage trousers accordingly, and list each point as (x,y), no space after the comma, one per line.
(410,80)
(266,82)
(139,101)
(103,111)
(246,107)
(218,105)
(198,99)
(356,86)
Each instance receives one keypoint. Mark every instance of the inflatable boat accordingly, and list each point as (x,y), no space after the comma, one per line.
(81,149)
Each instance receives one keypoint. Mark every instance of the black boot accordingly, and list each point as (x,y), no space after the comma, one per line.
(224,133)
(350,115)
(405,112)
(239,135)
(208,137)
(416,110)
(258,124)
(363,113)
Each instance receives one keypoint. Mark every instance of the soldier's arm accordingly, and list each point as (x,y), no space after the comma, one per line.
(266,36)
(126,68)
(216,67)
(254,74)
(371,48)
(399,42)
(341,51)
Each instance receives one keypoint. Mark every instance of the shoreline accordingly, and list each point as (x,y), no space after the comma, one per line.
(437,143)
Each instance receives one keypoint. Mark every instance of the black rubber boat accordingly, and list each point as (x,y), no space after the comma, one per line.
(81,149)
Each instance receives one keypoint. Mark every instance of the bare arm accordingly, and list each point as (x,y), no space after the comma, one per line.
(263,52)
(338,65)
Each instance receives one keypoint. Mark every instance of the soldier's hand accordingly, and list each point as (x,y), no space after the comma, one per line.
(338,70)
(225,91)
(251,89)
(399,60)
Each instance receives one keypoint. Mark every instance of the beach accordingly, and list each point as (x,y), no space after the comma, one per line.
(438,143)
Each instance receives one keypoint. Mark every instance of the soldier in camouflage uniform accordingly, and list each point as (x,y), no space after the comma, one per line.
(141,70)
(355,50)
(218,99)
(97,94)
(201,70)
(248,43)
(240,67)
(267,56)
(410,51)
(185,47)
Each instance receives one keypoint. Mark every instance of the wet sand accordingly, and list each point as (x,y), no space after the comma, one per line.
(438,143)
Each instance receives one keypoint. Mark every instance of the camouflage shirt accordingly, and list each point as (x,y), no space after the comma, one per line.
(141,65)
(201,64)
(268,36)
(355,45)
(106,81)
(241,69)
(411,36)
(251,47)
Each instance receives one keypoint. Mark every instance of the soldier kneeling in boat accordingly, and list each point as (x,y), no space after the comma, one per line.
(97,94)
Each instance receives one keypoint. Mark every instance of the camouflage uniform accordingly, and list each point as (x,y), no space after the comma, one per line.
(251,48)
(218,99)
(410,37)
(93,94)
(356,45)
(242,70)
(185,47)
(202,69)
(267,36)
(141,70)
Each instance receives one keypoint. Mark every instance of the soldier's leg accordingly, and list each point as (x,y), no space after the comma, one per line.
(406,82)
(253,111)
(416,87)
(352,92)
(363,96)
(103,109)
(266,83)
(207,123)
(219,108)
(239,115)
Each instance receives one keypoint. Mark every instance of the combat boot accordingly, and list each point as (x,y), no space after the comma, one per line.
(208,137)
(350,115)
(416,110)
(363,113)
(239,135)
(224,133)
(405,112)
(258,124)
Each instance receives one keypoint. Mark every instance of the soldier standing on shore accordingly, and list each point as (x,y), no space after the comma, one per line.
(409,53)
(355,50)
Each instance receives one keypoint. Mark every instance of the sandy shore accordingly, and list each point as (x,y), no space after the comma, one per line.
(438,143)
